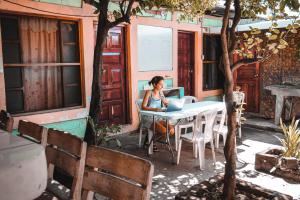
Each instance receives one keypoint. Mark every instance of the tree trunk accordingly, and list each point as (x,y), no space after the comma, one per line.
(96,98)
(230,146)
(229,149)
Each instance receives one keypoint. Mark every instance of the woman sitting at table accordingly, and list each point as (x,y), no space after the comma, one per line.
(154,100)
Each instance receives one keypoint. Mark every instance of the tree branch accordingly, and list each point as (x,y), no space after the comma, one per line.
(245,61)
(125,17)
(225,23)
(93,3)
(121,5)
(236,20)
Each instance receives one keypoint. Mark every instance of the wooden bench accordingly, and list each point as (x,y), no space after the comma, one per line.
(116,175)
(6,121)
(67,152)
(33,132)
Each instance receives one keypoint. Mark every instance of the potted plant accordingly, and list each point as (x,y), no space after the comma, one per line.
(285,161)
(103,134)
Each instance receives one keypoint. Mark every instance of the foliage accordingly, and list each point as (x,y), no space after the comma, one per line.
(102,133)
(260,44)
(291,140)
(189,9)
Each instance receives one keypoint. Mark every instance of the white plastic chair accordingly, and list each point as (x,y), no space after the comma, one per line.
(239,98)
(189,99)
(184,124)
(199,139)
(138,104)
(220,128)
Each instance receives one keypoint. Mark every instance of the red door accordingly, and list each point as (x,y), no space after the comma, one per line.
(186,62)
(247,77)
(113,79)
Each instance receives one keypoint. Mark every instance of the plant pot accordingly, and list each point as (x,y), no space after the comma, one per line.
(212,189)
(288,169)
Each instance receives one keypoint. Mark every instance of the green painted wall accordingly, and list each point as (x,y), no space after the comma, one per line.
(75,127)
(208,22)
(74,3)
(188,21)
(142,83)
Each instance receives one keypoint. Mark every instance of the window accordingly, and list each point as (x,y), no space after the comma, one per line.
(41,63)
(213,78)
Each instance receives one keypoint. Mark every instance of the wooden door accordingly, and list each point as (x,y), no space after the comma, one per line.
(113,79)
(247,77)
(186,62)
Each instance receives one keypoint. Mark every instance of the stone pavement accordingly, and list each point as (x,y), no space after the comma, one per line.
(169,179)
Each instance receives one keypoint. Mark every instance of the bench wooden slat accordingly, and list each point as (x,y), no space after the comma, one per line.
(67,142)
(61,160)
(119,163)
(32,130)
(111,187)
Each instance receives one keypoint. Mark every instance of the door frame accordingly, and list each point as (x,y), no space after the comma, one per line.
(193,37)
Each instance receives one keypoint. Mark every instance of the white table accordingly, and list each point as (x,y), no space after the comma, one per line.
(189,110)
(23,168)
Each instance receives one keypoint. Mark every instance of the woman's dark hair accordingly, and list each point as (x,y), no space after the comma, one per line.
(155,80)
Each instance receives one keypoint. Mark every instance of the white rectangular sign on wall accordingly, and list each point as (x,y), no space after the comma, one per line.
(154,48)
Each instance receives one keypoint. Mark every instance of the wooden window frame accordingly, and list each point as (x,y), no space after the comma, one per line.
(208,61)
(80,64)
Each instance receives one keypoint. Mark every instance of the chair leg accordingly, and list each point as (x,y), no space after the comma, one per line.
(195,150)
(224,138)
(201,149)
(179,151)
(176,137)
(213,151)
(240,131)
(140,137)
(217,137)
(150,148)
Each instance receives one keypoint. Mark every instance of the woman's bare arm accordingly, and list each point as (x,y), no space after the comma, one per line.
(164,99)
(145,102)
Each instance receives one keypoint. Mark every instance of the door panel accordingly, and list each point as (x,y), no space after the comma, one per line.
(113,80)
(247,77)
(186,62)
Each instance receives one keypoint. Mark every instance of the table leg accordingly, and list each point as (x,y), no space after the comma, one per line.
(168,141)
(151,138)
(278,108)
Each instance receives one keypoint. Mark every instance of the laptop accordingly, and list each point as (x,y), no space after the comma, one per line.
(175,105)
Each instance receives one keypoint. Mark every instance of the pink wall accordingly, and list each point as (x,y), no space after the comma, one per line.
(88,47)
(132,59)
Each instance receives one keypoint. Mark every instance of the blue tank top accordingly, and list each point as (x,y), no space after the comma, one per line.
(153,102)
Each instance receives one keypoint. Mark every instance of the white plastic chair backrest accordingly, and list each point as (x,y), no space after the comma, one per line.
(189,99)
(138,104)
(223,119)
(210,116)
(238,97)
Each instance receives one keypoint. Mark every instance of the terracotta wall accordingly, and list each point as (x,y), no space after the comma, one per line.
(284,66)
